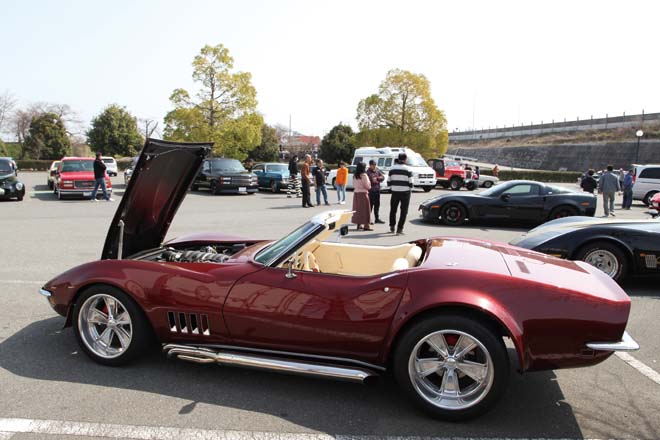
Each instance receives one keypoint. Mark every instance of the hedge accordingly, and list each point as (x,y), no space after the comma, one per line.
(539,176)
(33,165)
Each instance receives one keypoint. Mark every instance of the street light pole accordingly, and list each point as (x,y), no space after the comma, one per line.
(639,135)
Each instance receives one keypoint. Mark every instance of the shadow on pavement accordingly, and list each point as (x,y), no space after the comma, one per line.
(532,407)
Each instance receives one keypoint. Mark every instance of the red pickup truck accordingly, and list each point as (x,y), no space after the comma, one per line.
(448,173)
(75,177)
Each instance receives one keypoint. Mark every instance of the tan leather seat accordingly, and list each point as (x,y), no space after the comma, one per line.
(413,256)
(399,264)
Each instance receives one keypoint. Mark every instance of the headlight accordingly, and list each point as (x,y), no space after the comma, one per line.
(67,182)
(19,186)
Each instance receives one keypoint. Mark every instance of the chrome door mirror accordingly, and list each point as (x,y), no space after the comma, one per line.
(289,272)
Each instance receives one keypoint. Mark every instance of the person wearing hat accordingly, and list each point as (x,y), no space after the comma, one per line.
(400,181)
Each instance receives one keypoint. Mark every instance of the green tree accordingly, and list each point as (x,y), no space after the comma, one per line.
(403,113)
(114,132)
(224,109)
(47,138)
(268,149)
(338,144)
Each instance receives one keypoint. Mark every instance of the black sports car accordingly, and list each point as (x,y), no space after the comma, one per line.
(519,200)
(10,186)
(617,247)
(225,176)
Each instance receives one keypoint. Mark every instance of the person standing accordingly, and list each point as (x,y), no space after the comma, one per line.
(496,171)
(319,181)
(627,190)
(340,183)
(608,185)
(375,176)
(306,182)
(400,181)
(99,178)
(294,182)
(588,183)
(361,208)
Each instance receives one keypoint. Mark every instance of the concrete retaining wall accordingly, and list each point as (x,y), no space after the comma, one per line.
(572,157)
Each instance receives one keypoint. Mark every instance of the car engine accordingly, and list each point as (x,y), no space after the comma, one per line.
(205,254)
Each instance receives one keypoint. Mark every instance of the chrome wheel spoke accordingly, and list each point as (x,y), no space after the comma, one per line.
(97,317)
(474,370)
(464,345)
(449,386)
(124,337)
(123,318)
(105,337)
(428,366)
(439,344)
(111,304)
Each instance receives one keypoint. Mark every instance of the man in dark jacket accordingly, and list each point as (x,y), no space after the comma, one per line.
(375,176)
(99,178)
(588,183)
(319,182)
(294,182)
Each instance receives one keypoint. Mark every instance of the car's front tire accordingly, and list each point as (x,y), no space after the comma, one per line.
(274,187)
(648,197)
(452,367)
(605,256)
(488,184)
(453,214)
(109,326)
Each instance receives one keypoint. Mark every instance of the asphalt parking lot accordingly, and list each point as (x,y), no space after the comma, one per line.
(44,376)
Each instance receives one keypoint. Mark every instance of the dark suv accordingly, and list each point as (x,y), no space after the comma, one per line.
(225,176)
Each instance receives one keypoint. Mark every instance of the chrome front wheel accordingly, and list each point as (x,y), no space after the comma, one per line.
(451,369)
(105,326)
(109,325)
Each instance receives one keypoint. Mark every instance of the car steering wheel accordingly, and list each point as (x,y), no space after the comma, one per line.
(310,265)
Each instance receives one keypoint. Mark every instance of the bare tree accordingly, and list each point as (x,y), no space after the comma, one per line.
(7,103)
(150,127)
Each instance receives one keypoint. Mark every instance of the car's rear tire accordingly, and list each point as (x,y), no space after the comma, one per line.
(452,367)
(453,214)
(648,197)
(488,184)
(605,256)
(561,212)
(109,326)
(427,188)
(455,183)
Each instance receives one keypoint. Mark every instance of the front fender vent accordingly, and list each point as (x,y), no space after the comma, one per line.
(188,323)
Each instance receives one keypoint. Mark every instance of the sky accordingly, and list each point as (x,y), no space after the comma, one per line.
(490,63)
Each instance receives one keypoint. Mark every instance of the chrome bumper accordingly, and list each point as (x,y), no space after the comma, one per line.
(627,343)
(45,293)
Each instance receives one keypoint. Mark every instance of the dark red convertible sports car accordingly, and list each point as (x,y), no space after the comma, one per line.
(434,312)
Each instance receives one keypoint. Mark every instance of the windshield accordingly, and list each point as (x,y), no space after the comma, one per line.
(287,243)
(78,165)
(226,165)
(279,168)
(416,161)
(5,167)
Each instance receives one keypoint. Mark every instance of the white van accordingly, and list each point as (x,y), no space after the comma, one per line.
(646,184)
(110,165)
(423,174)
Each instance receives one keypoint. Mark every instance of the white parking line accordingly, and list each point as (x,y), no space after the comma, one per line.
(639,366)
(76,429)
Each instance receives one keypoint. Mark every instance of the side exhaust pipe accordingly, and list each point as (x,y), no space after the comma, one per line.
(205,356)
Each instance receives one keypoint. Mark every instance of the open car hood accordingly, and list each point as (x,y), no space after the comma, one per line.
(160,181)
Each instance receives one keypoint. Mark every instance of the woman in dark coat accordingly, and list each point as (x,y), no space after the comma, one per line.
(361,187)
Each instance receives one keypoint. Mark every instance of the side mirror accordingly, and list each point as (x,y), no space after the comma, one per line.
(289,272)
(343,230)
(505,197)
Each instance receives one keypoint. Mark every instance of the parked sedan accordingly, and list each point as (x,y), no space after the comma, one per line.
(312,304)
(225,176)
(617,247)
(519,200)
(272,175)
(10,186)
